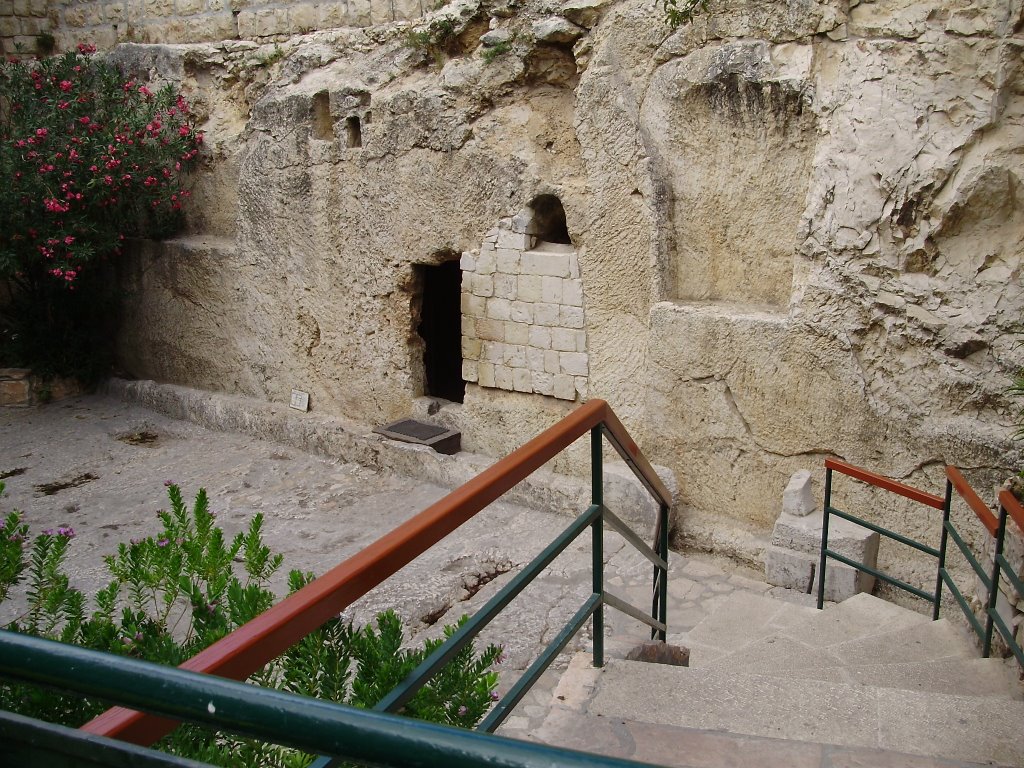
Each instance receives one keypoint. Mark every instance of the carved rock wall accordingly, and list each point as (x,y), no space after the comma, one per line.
(798,229)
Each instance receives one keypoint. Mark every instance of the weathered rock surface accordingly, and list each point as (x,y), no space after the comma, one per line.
(799,230)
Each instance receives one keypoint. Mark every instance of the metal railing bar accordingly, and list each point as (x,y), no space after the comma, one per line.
(976,625)
(885,532)
(1013,507)
(623,529)
(662,573)
(312,725)
(465,634)
(965,550)
(621,605)
(515,694)
(885,483)
(967,493)
(635,460)
(1006,571)
(248,648)
(880,575)
(1007,635)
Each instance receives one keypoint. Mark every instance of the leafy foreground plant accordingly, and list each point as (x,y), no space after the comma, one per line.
(89,157)
(178,594)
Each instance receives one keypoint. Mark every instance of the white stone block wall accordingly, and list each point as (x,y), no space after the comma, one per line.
(523,325)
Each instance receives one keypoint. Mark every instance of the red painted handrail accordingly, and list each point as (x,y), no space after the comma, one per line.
(249,647)
(968,494)
(1013,507)
(885,483)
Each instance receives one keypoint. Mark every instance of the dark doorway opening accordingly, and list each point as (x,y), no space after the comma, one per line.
(549,220)
(441,330)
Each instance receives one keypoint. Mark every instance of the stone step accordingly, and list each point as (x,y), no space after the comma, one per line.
(930,641)
(915,722)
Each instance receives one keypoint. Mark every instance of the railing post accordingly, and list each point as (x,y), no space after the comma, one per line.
(993,592)
(597,530)
(824,538)
(663,586)
(947,506)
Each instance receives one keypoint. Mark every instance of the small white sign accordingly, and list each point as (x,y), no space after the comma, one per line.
(300,400)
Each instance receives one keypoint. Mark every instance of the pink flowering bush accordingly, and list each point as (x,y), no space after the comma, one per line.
(88,157)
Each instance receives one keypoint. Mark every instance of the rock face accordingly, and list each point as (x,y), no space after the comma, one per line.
(798,229)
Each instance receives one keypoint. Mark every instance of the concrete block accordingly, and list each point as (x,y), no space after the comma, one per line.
(797,499)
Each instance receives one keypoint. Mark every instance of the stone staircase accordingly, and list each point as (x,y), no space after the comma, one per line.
(862,683)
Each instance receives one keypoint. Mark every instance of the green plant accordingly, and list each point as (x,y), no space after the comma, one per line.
(178,593)
(266,59)
(436,39)
(500,49)
(679,12)
(89,158)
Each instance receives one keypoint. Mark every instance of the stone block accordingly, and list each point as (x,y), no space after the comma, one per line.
(483,285)
(803,534)
(503,377)
(508,261)
(545,263)
(535,359)
(551,289)
(473,306)
(551,364)
(574,363)
(468,326)
(546,314)
(499,309)
(574,266)
(797,570)
(572,293)
(485,374)
(797,498)
(660,653)
(330,15)
(15,392)
(505,286)
(517,333)
(471,348)
(543,383)
(563,339)
(522,380)
(515,241)
(564,387)
(490,330)
(529,288)
(515,356)
(522,311)
(492,352)
(190,7)
(581,341)
(302,18)
(571,317)
(486,262)
(524,222)
(470,370)
(582,387)
(467,263)
(540,338)
(152,8)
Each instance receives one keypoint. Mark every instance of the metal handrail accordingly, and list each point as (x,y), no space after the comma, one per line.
(251,646)
(886,484)
(283,718)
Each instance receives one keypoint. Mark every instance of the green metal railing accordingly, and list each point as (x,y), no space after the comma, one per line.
(242,652)
(369,738)
(996,527)
(885,483)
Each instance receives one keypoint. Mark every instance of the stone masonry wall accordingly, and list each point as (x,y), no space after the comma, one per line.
(105,23)
(523,325)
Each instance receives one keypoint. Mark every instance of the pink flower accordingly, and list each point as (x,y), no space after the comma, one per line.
(41,132)
(69,240)
(65,85)
(145,91)
(84,120)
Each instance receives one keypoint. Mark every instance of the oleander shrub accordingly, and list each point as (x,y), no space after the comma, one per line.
(89,157)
